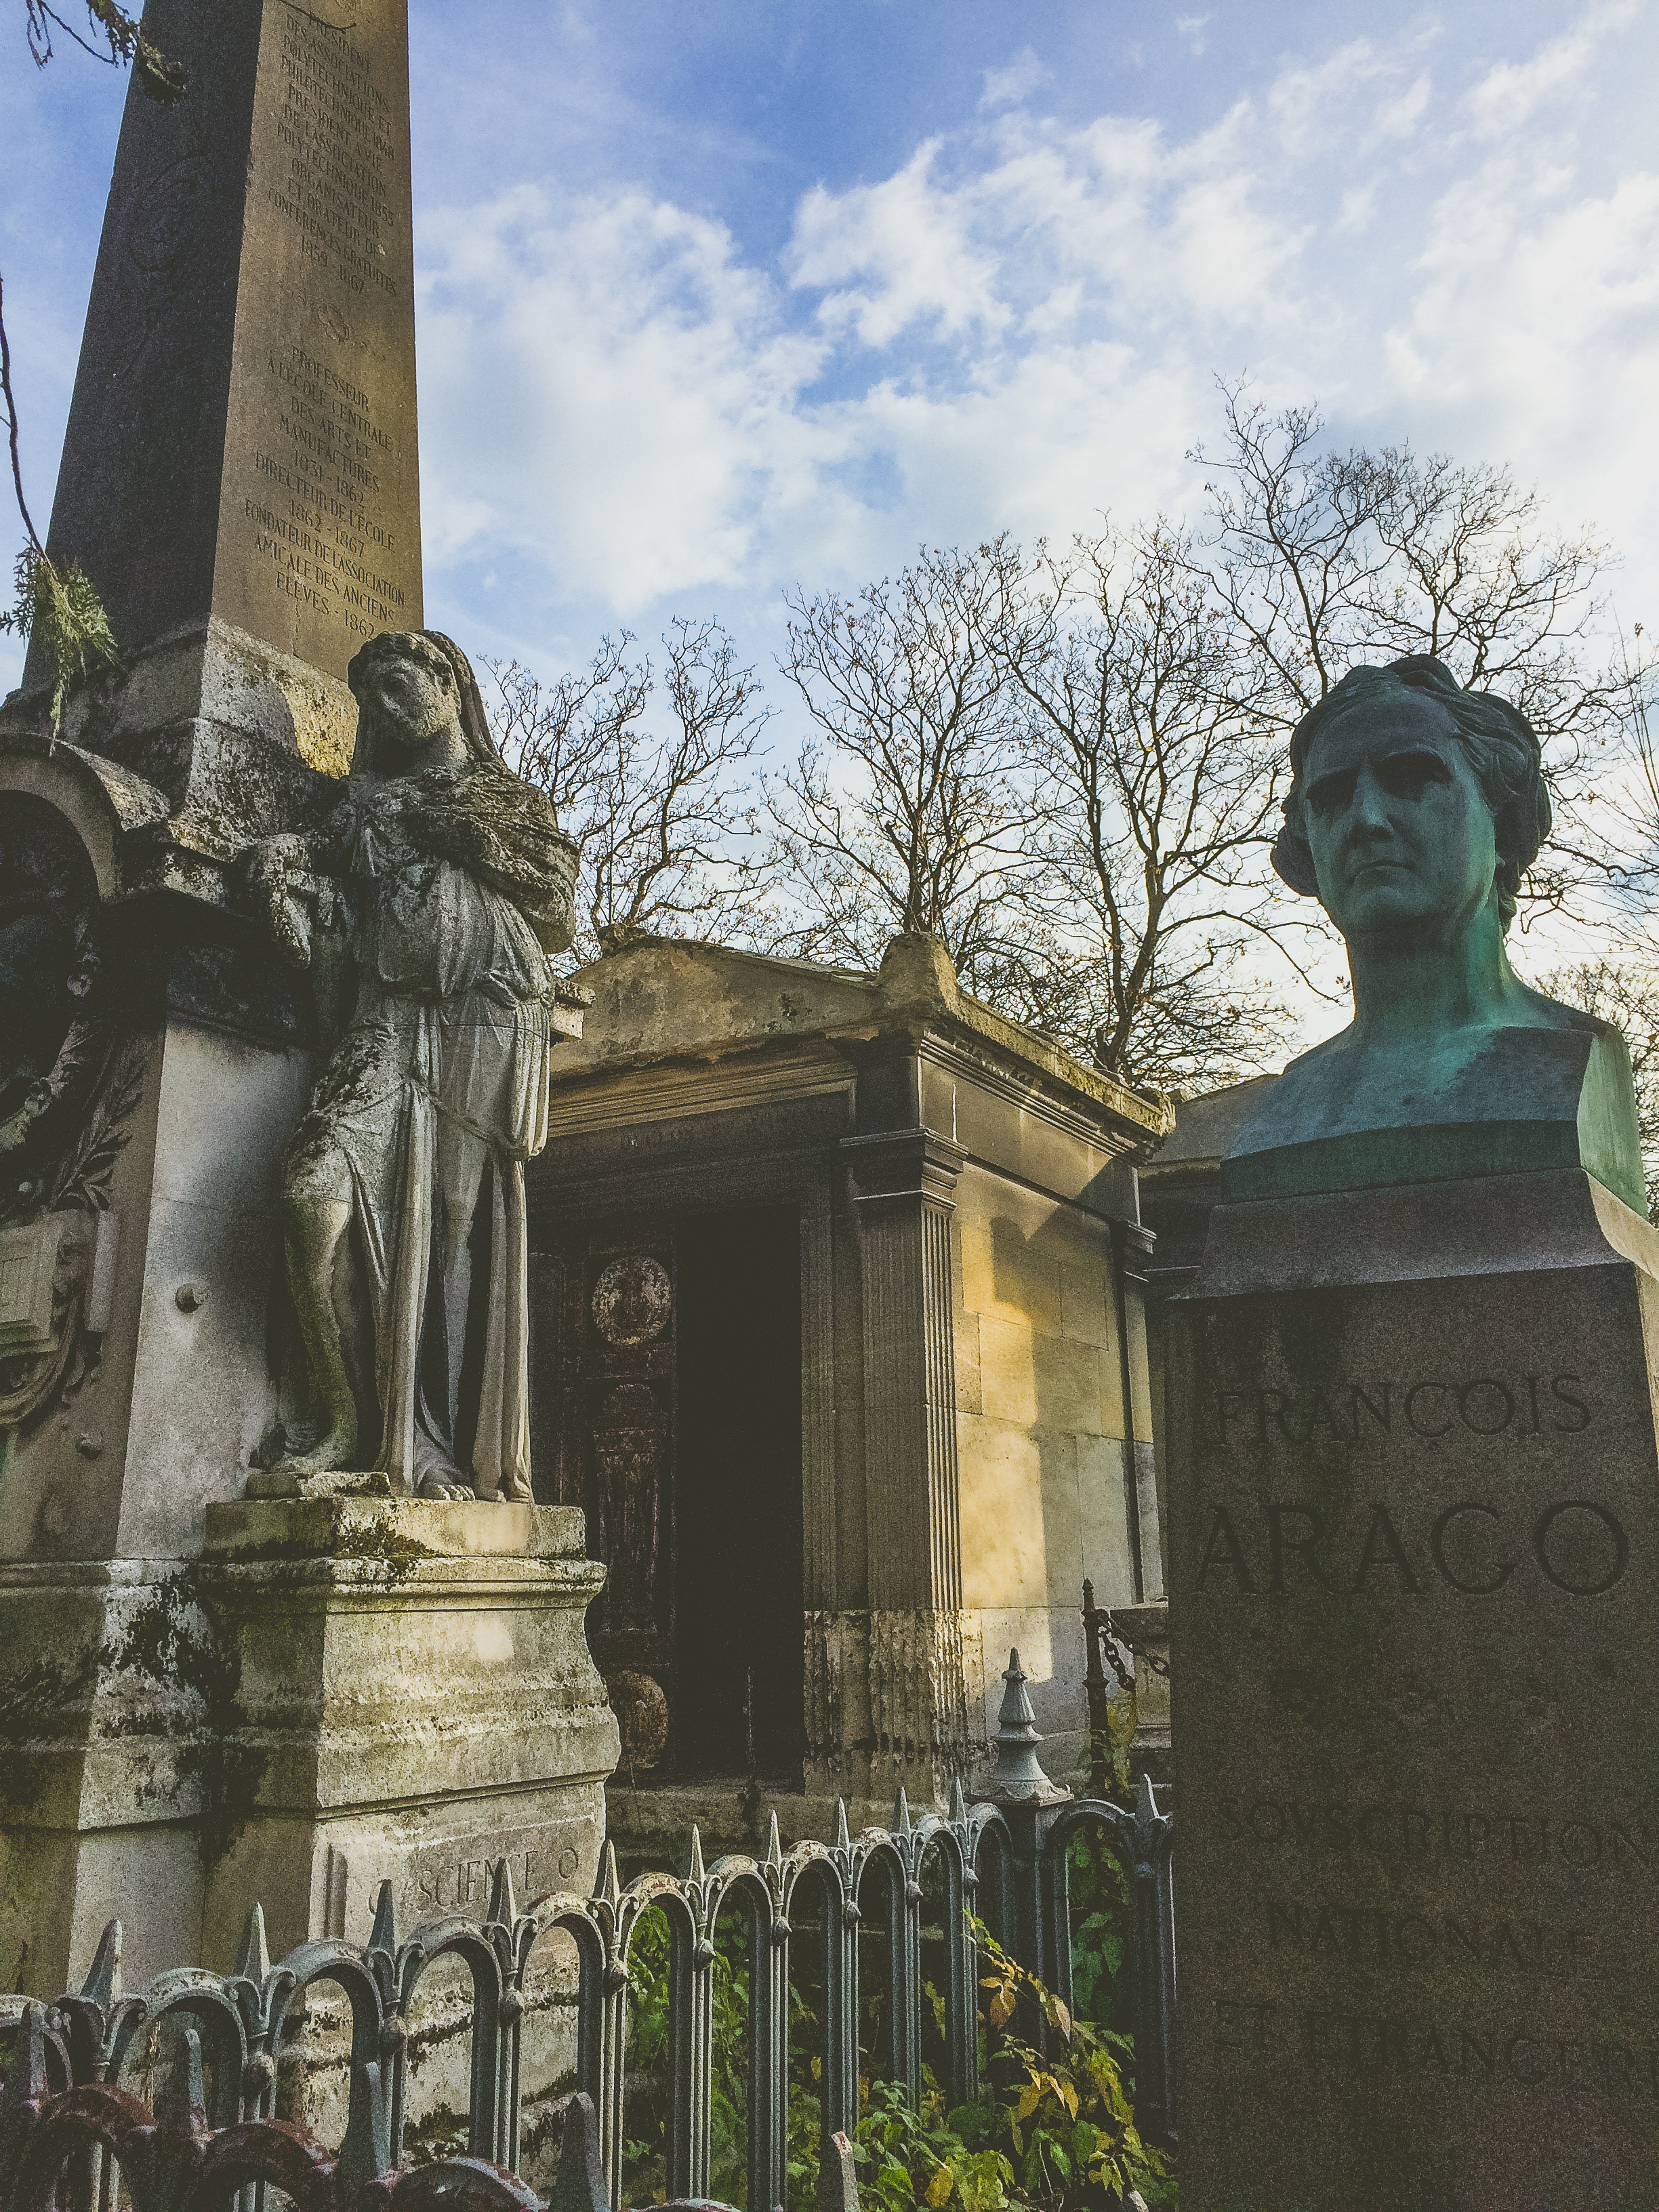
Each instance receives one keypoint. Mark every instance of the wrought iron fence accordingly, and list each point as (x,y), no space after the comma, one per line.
(209,2043)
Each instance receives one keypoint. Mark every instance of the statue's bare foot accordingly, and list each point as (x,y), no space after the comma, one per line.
(338,1449)
(433,1486)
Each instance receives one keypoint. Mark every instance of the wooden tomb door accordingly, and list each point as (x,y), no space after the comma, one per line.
(668,1367)
(614,1368)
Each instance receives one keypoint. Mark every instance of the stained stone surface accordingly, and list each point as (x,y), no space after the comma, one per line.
(241,444)
(413,1701)
(1414,1574)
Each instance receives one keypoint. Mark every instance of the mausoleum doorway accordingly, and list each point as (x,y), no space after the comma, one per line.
(667,1352)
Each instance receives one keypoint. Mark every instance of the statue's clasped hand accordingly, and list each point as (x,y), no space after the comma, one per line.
(281,891)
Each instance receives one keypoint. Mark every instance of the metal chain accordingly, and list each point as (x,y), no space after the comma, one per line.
(1114,1639)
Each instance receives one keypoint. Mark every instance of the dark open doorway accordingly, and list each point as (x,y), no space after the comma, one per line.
(666,1354)
(738,1623)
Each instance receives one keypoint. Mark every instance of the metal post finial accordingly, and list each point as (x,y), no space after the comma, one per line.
(579,2184)
(1018,1772)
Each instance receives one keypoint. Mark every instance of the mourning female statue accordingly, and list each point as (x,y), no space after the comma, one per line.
(1415,808)
(425,908)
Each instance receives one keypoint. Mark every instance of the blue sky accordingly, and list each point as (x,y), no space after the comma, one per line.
(713,300)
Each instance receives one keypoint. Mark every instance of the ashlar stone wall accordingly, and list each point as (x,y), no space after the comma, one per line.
(1044,1469)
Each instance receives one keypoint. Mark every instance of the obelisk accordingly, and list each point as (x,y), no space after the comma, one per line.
(239,477)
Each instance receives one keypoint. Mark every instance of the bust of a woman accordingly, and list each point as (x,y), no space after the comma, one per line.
(1415,808)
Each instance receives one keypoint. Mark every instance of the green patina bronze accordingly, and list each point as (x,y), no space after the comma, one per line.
(1415,809)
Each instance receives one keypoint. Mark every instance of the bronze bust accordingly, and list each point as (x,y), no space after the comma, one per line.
(1415,809)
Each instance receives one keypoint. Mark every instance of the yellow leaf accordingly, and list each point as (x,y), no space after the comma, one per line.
(939,2189)
(1029,2098)
(1002,2005)
(1067,2095)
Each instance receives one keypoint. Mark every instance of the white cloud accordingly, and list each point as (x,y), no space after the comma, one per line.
(1019,327)
(1535,334)
(887,255)
(1015,82)
(1190,30)
(603,382)
(1511,93)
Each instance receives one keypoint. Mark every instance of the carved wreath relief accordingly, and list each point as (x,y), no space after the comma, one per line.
(67,1094)
(633,1300)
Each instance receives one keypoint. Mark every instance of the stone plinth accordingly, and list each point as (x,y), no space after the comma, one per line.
(339,1691)
(1147,1629)
(1414,1575)
(413,1701)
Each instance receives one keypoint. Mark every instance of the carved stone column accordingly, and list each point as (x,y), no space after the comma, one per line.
(902,1187)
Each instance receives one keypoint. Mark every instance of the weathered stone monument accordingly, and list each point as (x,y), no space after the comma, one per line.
(838,1338)
(216,1278)
(240,474)
(1414,1541)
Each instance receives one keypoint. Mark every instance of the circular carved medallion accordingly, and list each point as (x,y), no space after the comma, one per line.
(632,1300)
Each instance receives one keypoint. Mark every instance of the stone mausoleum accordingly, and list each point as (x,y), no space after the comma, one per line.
(838,1284)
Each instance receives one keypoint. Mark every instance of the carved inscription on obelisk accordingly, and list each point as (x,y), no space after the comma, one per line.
(241,446)
(319,524)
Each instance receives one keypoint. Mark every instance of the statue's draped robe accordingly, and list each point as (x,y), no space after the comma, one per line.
(440,1078)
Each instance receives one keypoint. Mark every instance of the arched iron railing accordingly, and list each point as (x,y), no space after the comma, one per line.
(207,2044)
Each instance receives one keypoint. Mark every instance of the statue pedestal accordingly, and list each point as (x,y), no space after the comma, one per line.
(413,1701)
(1414,1573)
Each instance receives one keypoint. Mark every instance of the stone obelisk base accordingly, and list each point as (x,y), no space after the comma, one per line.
(413,1702)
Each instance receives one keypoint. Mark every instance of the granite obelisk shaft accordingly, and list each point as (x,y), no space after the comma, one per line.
(241,445)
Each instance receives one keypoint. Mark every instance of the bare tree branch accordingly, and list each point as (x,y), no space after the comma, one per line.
(910,810)
(660,810)
(116,37)
(1160,792)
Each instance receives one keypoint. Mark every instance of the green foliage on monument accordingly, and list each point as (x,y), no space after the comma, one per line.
(58,609)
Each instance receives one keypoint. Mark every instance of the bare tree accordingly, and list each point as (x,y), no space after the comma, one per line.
(910,809)
(1626,992)
(658,808)
(1161,781)
(1322,558)
(112,35)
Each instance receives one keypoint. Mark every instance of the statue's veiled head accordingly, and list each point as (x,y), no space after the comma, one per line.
(1414,805)
(418,706)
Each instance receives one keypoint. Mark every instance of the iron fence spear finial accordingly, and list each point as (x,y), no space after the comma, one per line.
(383,1934)
(608,1889)
(103,1983)
(254,1964)
(502,1911)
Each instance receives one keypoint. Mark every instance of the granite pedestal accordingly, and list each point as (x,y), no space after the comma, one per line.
(1414,1502)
